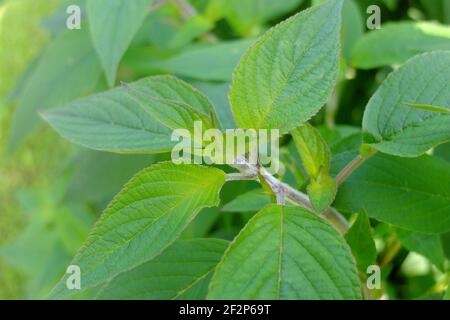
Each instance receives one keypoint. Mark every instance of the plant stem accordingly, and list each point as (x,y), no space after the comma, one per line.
(352,166)
(284,191)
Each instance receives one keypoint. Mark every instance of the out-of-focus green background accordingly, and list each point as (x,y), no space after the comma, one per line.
(51,192)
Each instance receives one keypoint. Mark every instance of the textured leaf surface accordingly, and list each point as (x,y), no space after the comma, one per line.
(394,128)
(288,74)
(172,102)
(67,69)
(428,245)
(113,24)
(410,193)
(286,253)
(118,121)
(359,237)
(176,273)
(144,218)
(396,42)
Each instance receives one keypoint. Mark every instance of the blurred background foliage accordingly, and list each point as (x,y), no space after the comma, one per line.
(51,192)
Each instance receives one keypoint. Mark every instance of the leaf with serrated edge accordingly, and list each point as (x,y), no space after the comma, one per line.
(393,128)
(117,121)
(173,274)
(286,253)
(288,74)
(143,219)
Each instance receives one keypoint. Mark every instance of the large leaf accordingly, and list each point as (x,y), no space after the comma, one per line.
(286,253)
(395,128)
(128,119)
(410,193)
(253,200)
(288,74)
(67,69)
(396,42)
(359,237)
(145,217)
(182,271)
(113,24)
(428,245)
(211,63)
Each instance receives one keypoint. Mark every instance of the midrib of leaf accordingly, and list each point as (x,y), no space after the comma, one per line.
(193,283)
(324,248)
(188,198)
(280,256)
(279,91)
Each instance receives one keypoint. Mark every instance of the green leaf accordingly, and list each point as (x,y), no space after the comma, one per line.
(313,150)
(246,16)
(322,192)
(359,237)
(172,102)
(67,69)
(412,194)
(315,155)
(288,74)
(397,42)
(110,121)
(428,245)
(144,218)
(121,121)
(286,253)
(177,273)
(393,128)
(113,24)
(253,200)
(210,63)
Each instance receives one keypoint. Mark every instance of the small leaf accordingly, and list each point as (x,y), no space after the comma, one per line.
(286,253)
(396,42)
(144,218)
(182,271)
(113,24)
(359,237)
(313,150)
(391,127)
(288,74)
(322,192)
(315,155)
(412,194)
(428,245)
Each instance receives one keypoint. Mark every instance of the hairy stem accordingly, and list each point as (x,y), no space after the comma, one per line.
(284,191)
(352,166)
